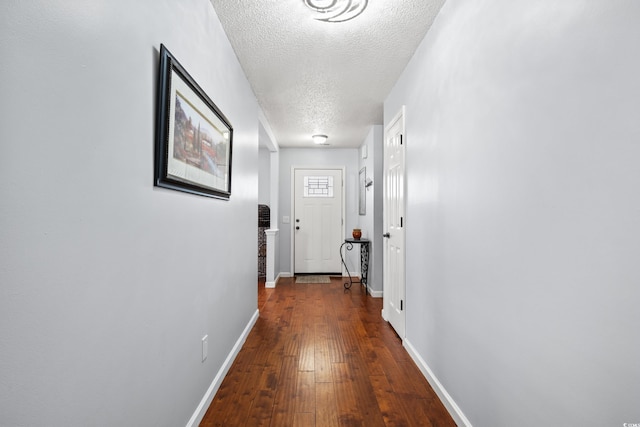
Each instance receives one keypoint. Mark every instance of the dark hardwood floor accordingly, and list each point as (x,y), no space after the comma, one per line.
(322,356)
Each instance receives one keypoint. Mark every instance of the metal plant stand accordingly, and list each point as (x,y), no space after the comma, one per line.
(364,260)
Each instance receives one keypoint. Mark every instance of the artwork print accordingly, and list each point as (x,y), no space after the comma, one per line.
(194,139)
(198,142)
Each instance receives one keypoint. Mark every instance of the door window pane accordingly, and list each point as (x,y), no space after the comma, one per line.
(318,186)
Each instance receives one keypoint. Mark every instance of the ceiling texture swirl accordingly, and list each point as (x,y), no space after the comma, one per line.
(324,66)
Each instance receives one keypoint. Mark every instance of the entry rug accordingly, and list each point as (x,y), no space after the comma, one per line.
(313,279)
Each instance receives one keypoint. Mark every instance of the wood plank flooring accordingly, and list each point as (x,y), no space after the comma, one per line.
(322,356)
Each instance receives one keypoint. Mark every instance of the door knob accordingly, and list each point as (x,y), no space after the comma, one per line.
(297,228)
(387,235)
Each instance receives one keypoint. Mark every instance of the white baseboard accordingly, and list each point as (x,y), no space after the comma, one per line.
(375,294)
(285,274)
(274,283)
(217,381)
(454,410)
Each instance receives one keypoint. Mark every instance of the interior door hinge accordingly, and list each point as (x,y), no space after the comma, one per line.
(400,139)
(401,304)
(401,220)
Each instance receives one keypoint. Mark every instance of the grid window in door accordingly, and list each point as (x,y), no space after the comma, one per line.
(318,186)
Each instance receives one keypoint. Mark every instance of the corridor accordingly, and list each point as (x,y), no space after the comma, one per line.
(323,356)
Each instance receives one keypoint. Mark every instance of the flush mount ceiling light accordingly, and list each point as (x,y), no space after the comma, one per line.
(319,139)
(336,10)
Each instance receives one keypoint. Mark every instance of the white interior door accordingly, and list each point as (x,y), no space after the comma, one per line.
(317,221)
(394,248)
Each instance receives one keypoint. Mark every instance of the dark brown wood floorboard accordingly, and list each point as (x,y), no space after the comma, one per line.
(322,356)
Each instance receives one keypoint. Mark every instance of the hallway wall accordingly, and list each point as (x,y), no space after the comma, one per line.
(107,284)
(264,176)
(523,225)
(371,223)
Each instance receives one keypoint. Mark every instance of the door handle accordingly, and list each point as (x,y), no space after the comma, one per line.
(387,235)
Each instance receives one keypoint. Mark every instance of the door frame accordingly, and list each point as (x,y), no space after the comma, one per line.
(399,116)
(292,246)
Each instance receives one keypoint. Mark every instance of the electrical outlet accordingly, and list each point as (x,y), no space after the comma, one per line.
(205,347)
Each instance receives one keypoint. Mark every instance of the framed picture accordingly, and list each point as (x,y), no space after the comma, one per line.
(362,192)
(194,140)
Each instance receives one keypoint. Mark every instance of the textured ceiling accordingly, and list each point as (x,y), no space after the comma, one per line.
(311,76)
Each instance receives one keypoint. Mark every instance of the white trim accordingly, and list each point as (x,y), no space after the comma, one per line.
(275,282)
(217,381)
(375,294)
(386,289)
(284,274)
(271,234)
(454,410)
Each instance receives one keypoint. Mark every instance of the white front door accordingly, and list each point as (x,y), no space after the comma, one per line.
(394,222)
(317,220)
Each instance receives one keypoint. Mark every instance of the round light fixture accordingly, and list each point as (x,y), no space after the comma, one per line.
(336,10)
(319,139)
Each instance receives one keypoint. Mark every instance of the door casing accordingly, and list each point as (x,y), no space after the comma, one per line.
(394,289)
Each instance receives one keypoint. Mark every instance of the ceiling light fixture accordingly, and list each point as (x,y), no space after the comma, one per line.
(319,139)
(336,10)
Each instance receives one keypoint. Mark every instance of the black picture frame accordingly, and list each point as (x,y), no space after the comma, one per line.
(194,140)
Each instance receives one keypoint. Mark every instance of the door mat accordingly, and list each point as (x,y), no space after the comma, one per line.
(313,279)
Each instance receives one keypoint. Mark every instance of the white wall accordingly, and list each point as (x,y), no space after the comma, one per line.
(317,157)
(371,223)
(523,225)
(268,141)
(275,209)
(268,192)
(107,283)
(264,176)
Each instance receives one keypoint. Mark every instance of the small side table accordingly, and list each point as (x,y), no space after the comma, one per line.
(364,260)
